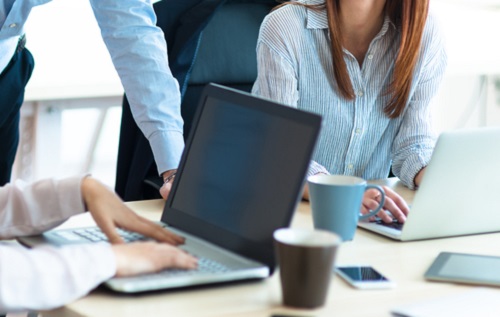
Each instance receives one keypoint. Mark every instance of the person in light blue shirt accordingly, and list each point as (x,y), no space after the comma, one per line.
(138,51)
(370,68)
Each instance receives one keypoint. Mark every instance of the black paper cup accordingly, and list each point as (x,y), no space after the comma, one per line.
(306,259)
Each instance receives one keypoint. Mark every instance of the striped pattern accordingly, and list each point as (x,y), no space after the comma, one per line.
(357,138)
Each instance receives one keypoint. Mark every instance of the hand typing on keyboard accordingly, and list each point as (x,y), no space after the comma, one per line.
(112,215)
(395,224)
(395,207)
(148,257)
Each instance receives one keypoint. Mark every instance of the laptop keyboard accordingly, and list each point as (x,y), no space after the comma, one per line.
(394,224)
(205,265)
(96,235)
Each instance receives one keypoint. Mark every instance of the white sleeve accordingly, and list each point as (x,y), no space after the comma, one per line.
(27,209)
(49,277)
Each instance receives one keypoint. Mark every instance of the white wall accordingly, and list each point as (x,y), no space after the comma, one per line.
(70,56)
(468,95)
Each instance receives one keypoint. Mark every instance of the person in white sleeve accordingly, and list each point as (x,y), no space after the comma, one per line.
(48,277)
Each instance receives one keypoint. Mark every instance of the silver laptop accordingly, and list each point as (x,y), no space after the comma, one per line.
(240,178)
(459,192)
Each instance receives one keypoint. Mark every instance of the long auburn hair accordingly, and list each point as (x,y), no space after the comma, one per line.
(410,17)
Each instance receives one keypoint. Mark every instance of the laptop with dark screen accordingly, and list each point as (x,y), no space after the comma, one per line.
(239,179)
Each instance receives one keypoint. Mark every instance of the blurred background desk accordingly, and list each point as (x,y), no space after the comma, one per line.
(404,263)
(39,152)
(73,70)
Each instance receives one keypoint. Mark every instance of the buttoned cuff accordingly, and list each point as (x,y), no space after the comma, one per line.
(410,168)
(167,149)
(316,168)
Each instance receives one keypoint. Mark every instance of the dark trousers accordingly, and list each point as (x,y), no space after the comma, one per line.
(12,82)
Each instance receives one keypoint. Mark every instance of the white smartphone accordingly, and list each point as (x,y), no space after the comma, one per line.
(364,277)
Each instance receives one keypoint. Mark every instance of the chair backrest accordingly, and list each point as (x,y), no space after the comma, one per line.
(227,52)
(208,41)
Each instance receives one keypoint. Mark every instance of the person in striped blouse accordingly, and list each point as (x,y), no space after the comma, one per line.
(370,68)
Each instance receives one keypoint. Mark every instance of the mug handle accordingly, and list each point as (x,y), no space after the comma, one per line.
(382,201)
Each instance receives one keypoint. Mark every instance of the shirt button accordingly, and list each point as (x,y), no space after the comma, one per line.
(350,166)
(358,131)
(13,25)
(370,56)
(359,93)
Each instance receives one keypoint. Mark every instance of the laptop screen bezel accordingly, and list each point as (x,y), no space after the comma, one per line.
(260,252)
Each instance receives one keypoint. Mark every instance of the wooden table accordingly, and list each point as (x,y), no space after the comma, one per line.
(404,263)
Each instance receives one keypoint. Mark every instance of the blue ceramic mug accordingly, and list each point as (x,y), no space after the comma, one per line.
(336,203)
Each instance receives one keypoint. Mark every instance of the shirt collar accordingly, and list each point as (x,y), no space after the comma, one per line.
(318,19)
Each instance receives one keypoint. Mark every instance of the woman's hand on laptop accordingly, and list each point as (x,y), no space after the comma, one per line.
(109,213)
(148,257)
(394,203)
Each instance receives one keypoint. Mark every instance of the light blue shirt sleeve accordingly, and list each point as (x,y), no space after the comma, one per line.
(139,54)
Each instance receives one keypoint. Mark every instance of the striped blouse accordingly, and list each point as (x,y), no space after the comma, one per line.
(357,138)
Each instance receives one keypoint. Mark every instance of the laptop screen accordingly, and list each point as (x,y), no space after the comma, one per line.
(242,171)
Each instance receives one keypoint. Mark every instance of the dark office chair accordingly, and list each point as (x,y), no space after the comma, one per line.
(208,41)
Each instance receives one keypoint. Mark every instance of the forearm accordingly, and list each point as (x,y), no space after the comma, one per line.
(47,277)
(414,144)
(27,209)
